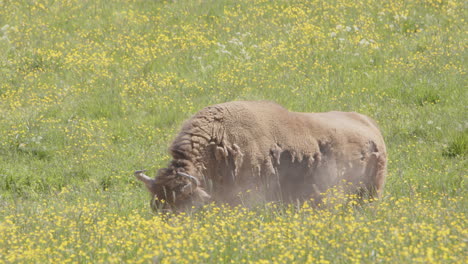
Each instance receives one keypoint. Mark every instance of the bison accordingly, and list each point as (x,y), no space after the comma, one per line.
(241,150)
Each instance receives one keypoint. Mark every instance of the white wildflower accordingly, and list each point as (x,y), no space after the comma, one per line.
(5,28)
(236,41)
(364,42)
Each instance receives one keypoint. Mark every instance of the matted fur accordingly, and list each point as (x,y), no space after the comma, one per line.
(261,150)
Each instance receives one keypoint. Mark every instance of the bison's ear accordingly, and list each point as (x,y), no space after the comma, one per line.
(140,175)
(202,194)
(197,193)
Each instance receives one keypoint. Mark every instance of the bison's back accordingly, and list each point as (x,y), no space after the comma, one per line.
(260,126)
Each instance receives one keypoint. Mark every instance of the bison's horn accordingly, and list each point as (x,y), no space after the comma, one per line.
(142,177)
(191,178)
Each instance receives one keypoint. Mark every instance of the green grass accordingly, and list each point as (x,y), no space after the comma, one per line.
(92,90)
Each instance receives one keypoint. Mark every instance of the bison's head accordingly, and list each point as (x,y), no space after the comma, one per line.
(171,190)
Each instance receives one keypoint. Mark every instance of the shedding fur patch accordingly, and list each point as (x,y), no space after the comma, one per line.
(237,158)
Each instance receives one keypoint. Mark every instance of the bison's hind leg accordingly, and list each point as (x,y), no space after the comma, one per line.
(376,170)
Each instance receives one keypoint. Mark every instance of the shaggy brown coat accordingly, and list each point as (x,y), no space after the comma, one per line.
(260,150)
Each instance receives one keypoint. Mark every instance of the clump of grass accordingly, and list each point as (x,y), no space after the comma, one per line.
(458,146)
(428,97)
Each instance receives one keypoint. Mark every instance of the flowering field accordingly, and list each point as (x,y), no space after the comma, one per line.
(92,90)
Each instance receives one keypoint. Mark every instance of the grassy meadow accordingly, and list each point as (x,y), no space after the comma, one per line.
(92,90)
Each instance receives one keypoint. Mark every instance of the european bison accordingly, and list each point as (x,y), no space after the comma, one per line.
(242,150)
